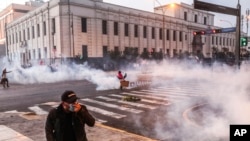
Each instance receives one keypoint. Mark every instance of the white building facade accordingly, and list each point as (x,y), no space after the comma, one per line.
(66,29)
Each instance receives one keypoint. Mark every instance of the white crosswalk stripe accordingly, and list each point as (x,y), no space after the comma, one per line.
(8,134)
(38,110)
(104,112)
(169,93)
(164,95)
(113,106)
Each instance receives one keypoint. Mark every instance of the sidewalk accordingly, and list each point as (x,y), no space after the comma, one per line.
(14,127)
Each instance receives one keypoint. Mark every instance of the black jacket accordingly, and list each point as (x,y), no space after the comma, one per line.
(54,123)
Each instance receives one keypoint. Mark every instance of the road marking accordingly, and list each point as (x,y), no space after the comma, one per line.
(38,110)
(11,112)
(172,92)
(182,91)
(52,104)
(100,120)
(8,134)
(161,94)
(104,112)
(186,117)
(112,99)
(113,106)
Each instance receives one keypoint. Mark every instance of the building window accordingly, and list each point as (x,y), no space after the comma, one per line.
(115,28)
(84,24)
(39,53)
(38,30)
(180,36)
(28,30)
(167,34)
(34,54)
(33,32)
(105,51)
(185,16)
(186,37)
(153,33)
(53,26)
(45,52)
(126,29)
(174,35)
(144,32)
(20,37)
(24,37)
(104,27)
(212,40)
(9,40)
(16,38)
(160,33)
(13,41)
(195,18)
(44,28)
(205,20)
(136,30)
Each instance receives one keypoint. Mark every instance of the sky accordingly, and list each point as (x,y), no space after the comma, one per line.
(221,20)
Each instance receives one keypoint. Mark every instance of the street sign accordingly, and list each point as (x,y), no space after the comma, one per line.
(215,8)
(230,29)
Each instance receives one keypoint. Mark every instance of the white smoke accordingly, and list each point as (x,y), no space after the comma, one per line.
(60,72)
(226,91)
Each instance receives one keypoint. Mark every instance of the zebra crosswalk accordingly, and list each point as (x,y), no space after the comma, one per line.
(112,106)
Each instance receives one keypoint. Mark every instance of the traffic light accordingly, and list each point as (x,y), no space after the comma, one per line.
(243,41)
(216,31)
(199,32)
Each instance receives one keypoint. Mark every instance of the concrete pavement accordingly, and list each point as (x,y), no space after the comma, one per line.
(30,127)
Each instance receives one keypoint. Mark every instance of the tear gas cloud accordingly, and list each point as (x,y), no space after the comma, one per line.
(225,88)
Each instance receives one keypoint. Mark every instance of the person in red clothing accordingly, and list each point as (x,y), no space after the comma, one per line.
(121,77)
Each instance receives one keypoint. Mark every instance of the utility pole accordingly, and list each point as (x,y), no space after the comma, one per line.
(247,16)
(238,32)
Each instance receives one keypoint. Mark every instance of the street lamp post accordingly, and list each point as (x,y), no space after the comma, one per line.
(227,22)
(163,28)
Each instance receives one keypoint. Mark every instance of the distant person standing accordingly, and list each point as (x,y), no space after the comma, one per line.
(121,77)
(67,121)
(4,77)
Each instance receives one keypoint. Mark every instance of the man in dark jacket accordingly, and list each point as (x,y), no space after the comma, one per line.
(67,121)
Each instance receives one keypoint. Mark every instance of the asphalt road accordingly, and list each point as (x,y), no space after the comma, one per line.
(22,96)
(159,120)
